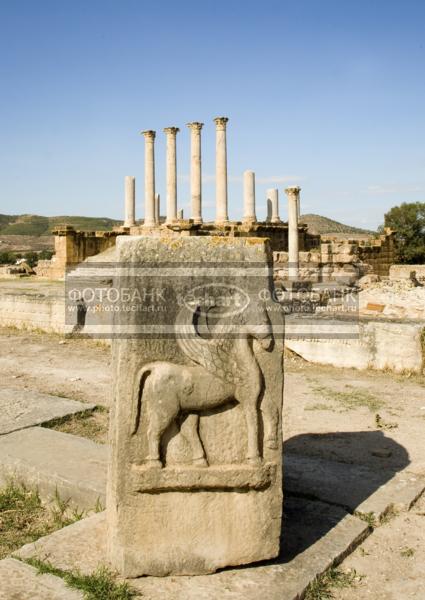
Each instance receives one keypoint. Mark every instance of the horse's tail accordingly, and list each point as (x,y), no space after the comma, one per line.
(136,413)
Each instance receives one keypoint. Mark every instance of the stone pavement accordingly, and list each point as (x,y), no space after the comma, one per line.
(315,536)
(51,460)
(19,581)
(318,529)
(24,408)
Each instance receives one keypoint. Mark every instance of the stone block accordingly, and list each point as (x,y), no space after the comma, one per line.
(51,460)
(25,408)
(19,581)
(315,536)
(195,478)
(355,487)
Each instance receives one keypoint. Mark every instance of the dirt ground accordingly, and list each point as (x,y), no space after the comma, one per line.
(363,417)
(72,368)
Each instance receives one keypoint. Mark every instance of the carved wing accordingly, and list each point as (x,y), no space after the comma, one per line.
(215,355)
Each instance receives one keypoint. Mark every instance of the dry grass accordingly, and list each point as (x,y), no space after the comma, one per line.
(323,587)
(92,425)
(100,585)
(24,517)
(350,399)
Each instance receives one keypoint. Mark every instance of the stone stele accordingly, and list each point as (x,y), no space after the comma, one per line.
(195,479)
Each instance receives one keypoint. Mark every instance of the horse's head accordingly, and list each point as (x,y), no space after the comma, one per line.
(257,323)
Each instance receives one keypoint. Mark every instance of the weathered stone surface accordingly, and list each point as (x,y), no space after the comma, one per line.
(19,581)
(195,478)
(315,536)
(81,545)
(357,343)
(241,477)
(21,408)
(355,487)
(52,460)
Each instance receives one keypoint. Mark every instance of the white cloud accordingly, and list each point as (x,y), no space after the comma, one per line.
(397,188)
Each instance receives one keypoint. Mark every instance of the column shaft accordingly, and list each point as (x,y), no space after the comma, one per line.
(249,197)
(171,133)
(269,211)
(149,178)
(196,170)
(273,199)
(157,208)
(293,247)
(221,170)
(130,200)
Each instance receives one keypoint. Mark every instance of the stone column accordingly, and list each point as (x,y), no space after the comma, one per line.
(149,178)
(249,197)
(221,170)
(180,215)
(196,170)
(293,257)
(269,210)
(273,199)
(157,208)
(130,200)
(171,133)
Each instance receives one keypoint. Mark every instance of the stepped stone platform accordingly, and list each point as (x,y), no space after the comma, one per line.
(24,408)
(51,460)
(77,467)
(323,508)
(354,487)
(315,536)
(19,581)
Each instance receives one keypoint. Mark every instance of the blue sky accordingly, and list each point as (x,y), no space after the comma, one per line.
(326,94)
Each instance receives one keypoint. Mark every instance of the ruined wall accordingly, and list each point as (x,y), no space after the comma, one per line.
(370,344)
(339,259)
(72,247)
(406,272)
(379,253)
(321,258)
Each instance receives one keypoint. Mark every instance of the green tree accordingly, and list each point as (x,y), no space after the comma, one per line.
(408,221)
(45,255)
(6,258)
(31,258)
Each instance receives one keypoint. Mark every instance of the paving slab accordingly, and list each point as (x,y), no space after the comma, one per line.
(19,581)
(50,460)
(20,409)
(355,487)
(315,536)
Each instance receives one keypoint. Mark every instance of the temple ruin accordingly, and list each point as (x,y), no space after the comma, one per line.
(298,254)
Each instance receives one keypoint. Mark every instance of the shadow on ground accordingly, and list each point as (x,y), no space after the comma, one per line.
(304,523)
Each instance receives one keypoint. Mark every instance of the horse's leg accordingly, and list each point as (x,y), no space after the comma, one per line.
(248,399)
(251,417)
(190,430)
(159,417)
(271,422)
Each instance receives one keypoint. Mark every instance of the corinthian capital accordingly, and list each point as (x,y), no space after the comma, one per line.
(149,134)
(220,123)
(195,126)
(292,191)
(171,130)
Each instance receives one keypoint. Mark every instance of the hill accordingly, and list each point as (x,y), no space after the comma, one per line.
(323,225)
(37,225)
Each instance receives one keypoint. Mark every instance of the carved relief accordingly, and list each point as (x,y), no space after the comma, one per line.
(222,366)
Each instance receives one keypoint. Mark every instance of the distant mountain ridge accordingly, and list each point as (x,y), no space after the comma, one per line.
(324,226)
(38,225)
